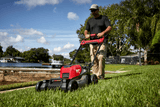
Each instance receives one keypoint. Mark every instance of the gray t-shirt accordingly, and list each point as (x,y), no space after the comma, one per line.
(97,25)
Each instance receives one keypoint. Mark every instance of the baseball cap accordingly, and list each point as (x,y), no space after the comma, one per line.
(94,6)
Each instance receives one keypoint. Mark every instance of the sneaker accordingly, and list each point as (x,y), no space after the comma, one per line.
(100,77)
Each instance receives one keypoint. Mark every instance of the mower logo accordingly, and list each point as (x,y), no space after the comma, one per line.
(77,70)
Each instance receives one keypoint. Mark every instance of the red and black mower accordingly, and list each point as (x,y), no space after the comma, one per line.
(73,76)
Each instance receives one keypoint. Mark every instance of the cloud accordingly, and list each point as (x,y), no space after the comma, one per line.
(64,48)
(72,16)
(57,49)
(7,41)
(68,46)
(17,39)
(82,1)
(33,3)
(66,55)
(54,10)
(42,40)
(30,31)
(3,33)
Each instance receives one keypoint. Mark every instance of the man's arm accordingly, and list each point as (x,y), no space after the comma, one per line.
(106,31)
(86,34)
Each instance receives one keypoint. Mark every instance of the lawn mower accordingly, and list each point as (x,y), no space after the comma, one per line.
(72,76)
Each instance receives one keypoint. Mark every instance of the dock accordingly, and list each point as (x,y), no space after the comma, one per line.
(30,70)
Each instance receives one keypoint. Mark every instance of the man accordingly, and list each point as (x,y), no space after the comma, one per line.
(101,26)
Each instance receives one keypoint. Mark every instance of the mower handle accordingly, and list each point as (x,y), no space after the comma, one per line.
(92,35)
(95,41)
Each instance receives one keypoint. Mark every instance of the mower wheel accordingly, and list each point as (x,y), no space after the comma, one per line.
(38,85)
(94,79)
(72,85)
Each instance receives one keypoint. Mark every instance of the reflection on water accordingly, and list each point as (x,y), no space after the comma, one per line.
(31,65)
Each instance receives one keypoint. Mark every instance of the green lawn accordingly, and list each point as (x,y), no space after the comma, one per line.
(139,87)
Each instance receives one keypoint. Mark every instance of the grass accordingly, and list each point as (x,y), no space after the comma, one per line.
(109,67)
(17,85)
(139,87)
(114,67)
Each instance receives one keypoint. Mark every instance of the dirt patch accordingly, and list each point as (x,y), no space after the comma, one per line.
(11,78)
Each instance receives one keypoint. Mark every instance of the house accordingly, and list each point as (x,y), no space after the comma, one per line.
(9,58)
(18,59)
(130,59)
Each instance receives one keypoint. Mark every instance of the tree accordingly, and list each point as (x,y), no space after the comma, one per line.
(12,52)
(156,38)
(137,16)
(82,55)
(58,57)
(1,51)
(36,55)
(42,54)
(154,53)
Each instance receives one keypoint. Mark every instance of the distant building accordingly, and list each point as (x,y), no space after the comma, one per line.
(128,59)
(9,58)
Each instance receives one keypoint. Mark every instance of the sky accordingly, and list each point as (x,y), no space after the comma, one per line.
(51,24)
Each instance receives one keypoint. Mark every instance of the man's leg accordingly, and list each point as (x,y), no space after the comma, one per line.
(92,53)
(101,59)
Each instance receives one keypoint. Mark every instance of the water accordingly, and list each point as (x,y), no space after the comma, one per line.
(28,65)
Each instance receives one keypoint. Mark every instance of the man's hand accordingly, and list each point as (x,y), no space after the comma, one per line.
(87,36)
(100,34)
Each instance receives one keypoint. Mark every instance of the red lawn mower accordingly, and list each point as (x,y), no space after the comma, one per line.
(73,77)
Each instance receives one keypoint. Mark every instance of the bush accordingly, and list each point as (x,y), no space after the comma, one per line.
(151,62)
(156,62)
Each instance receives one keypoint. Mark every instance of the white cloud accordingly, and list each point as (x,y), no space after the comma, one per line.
(57,49)
(34,3)
(50,52)
(17,39)
(72,16)
(82,1)
(3,33)
(54,10)
(42,40)
(66,55)
(30,31)
(68,46)
(64,48)
(7,41)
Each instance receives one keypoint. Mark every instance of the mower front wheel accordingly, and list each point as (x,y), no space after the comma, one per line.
(38,85)
(72,85)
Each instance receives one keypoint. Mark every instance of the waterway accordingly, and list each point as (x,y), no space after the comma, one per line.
(28,65)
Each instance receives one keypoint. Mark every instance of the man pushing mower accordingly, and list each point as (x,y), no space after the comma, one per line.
(72,76)
(101,26)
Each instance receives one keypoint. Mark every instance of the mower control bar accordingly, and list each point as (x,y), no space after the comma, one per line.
(96,41)
(85,42)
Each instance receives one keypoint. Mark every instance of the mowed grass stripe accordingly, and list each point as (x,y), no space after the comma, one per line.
(139,87)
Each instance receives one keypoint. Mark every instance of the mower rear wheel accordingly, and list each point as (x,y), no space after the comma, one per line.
(94,79)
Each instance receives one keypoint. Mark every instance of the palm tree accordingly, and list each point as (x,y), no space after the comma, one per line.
(138,18)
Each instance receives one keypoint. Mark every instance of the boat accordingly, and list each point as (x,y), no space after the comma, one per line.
(57,64)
